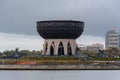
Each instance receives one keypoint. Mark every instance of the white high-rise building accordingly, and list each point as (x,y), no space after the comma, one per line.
(112,39)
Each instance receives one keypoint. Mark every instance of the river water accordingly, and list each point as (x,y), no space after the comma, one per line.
(60,75)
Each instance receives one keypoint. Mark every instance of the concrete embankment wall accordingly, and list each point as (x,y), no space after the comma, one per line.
(58,67)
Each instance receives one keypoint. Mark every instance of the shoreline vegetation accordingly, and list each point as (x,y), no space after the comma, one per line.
(57,60)
(57,63)
(108,59)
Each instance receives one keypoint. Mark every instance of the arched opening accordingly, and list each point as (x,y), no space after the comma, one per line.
(60,49)
(52,42)
(51,50)
(46,46)
(69,50)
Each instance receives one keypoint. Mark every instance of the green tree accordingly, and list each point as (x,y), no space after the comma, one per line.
(112,51)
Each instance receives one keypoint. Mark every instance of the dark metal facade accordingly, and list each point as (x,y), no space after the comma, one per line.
(60,29)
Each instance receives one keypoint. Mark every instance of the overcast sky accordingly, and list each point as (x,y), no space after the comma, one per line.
(19,17)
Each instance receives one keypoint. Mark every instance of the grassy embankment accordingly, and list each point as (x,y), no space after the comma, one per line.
(43,60)
(55,60)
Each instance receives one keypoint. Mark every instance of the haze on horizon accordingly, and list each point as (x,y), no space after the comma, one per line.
(19,17)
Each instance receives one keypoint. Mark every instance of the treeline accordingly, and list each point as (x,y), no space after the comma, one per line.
(13,54)
(108,53)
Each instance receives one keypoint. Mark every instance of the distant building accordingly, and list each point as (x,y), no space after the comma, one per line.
(112,39)
(95,47)
(82,47)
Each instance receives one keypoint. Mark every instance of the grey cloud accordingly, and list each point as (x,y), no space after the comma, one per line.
(20,16)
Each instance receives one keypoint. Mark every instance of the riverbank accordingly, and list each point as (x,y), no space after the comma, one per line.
(59,67)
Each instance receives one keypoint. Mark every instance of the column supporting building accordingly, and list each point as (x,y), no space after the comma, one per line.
(59,47)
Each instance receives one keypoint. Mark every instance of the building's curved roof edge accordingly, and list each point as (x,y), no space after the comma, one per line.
(60,21)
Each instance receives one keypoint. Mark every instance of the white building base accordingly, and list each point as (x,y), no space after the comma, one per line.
(59,47)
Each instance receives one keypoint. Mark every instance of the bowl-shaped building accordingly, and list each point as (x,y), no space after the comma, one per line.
(60,36)
(60,29)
